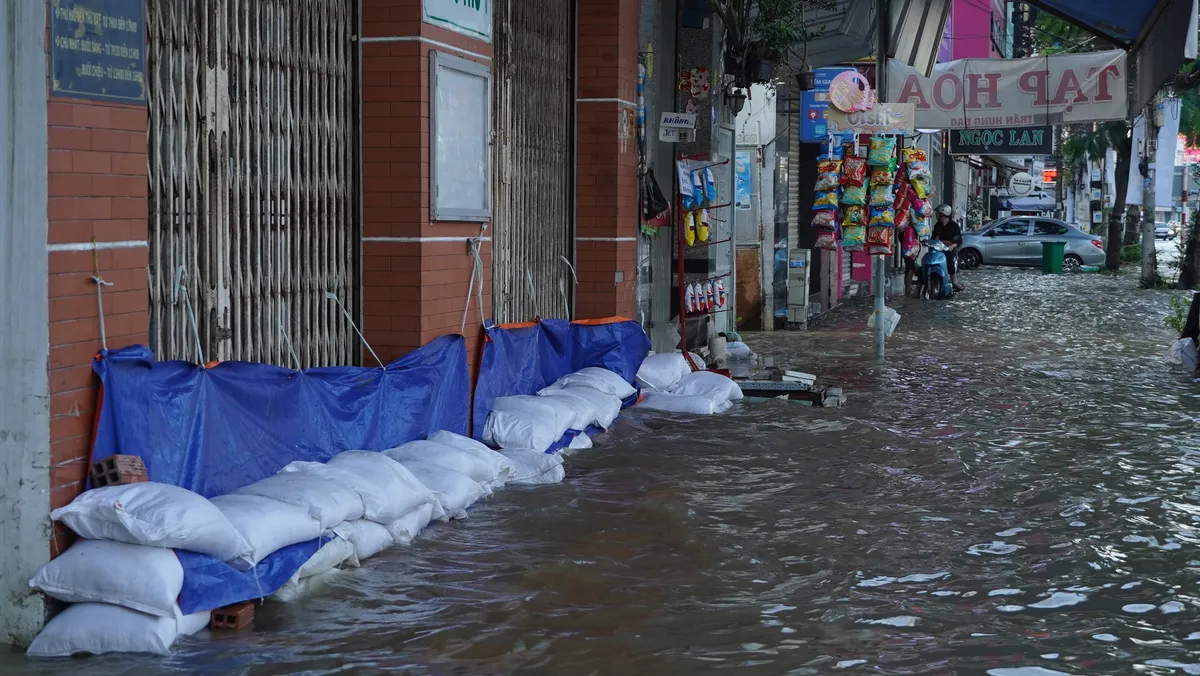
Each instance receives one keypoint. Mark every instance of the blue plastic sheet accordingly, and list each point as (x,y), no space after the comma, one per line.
(526,359)
(214,430)
(209,583)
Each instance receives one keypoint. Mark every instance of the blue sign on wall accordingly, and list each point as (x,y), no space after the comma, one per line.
(98,49)
(813,128)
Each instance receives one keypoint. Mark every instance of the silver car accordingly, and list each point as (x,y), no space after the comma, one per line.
(1018,241)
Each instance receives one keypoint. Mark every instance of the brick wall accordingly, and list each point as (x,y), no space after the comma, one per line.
(97,192)
(415,272)
(606,210)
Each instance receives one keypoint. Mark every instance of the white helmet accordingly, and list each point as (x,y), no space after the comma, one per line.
(944,210)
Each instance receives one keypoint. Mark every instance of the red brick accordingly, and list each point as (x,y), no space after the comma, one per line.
(118,470)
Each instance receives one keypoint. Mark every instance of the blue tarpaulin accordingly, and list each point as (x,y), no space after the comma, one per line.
(214,430)
(524,359)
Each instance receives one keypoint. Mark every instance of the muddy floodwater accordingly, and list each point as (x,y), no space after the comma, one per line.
(1015,491)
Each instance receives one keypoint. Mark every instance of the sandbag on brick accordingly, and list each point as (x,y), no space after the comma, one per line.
(141,578)
(99,628)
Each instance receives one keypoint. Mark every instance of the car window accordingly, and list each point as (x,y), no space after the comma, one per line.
(1049,228)
(1011,229)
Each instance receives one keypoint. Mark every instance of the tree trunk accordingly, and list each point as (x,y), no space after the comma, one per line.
(1114,241)
(1189,263)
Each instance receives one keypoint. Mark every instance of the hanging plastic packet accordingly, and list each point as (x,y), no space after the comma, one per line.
(710,186)
(924,229)
(702,228)
(689,299)
(901,175)
(854,195)
(689,227)
(912,245)
(882,176)
(882,196)
(829,166)
(854,237)
(721,297)
(826,218)
(685,184)
(921,187)
(698,189)
(913,154)
(884,217)
(826,181)
(826,240)
(879,240)
(902,213)
(826,200)
(883,150)
(854,171)
(854,215)
(710,295)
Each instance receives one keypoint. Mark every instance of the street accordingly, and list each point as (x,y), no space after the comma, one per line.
(1014,487)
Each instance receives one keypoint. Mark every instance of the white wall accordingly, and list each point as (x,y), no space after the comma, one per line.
(25,339)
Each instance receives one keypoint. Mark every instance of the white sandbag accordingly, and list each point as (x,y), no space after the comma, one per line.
(503,465)
(369,538)
(326,501)
(597,378)
(533,467)
(708,383)
(660,372)
(593,406)
(455,491)
(331,555)
(397,492)
(480,470)
(155,515)
(697,404)
(293,590)
(409,526)
(739,350)
(1183,355)
(146,579)
(267,524)
(581,442)
(100,628)
(524,422)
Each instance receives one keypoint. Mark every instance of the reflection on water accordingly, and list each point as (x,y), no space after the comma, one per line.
(1014,492)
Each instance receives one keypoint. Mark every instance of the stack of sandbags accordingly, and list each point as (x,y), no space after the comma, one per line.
(122,576)
(590,397)
(699,393)
(660,372)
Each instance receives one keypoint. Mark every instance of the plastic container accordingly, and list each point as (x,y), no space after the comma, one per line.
(1052,257)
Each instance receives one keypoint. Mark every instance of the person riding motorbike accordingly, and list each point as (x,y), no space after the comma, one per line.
(950,234)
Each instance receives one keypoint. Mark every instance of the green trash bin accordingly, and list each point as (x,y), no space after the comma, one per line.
(1052,257)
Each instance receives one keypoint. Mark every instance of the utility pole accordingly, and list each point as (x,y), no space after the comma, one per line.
(880,271)
(1150,150)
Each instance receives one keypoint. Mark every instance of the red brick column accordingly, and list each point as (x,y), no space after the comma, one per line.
(98,188)
(606,188)
(415,272)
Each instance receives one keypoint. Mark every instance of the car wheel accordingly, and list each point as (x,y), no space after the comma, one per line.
(1071,262)
(969,258)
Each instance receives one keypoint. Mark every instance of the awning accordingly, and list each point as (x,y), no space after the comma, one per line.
(1030,203)
(845,31)
(1161,34)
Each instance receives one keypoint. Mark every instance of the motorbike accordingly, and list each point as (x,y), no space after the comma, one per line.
(935,270)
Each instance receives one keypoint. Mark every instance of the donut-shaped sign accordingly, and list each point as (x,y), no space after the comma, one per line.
(849,92)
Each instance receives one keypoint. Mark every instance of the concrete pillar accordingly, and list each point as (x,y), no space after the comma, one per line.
(606,160)
(415,272)
(24,342)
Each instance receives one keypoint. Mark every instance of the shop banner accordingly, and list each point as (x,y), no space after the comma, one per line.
(469,17)
(741,174)
(884,118)
(1003,141)
(982,93)
(814,105)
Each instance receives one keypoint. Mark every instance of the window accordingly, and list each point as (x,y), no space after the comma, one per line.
(1015,228)
(1049,228)
(462,132)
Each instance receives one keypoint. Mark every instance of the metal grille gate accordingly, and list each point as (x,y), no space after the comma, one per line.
(253,180)
(535,157)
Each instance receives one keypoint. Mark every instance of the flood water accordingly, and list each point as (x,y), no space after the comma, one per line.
(1015,491)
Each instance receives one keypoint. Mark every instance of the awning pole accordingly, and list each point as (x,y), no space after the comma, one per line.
(881,45)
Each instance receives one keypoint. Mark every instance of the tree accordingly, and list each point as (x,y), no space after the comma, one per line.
(1092,141)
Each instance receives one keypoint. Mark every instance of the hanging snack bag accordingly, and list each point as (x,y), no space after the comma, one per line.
(920,186)
(901,175)
(882,196)
(884,217)
(854,215)
(882,176)
(914,155)
(854,195)
(883,149)
(879,240)
(854,237)
(826,218)
(710,186)
(854,171)
(826,200)
(826,181)
(827,240)
(911,245)
(924,229)
(902,214)
(829,166)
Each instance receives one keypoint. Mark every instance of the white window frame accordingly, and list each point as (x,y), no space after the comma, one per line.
(437,210)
